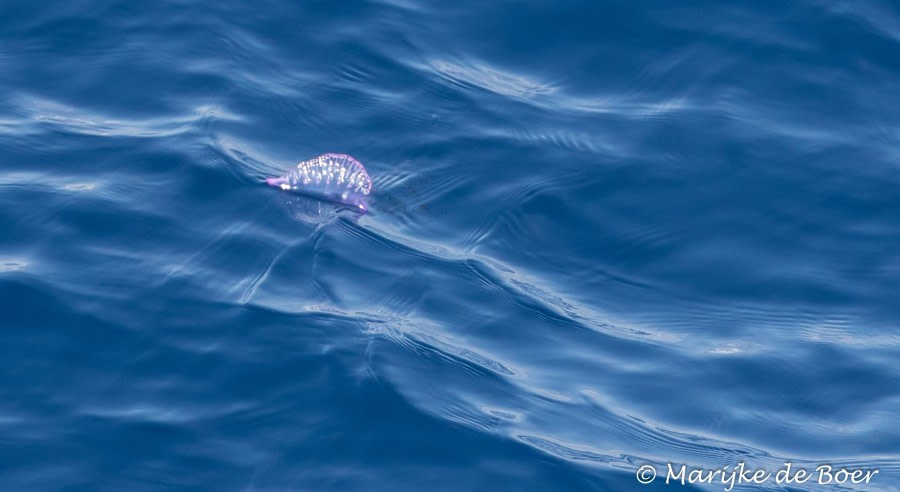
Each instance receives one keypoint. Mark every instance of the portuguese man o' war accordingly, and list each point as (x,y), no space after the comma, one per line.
(333,177)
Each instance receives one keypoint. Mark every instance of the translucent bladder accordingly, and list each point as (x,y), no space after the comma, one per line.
(333,177)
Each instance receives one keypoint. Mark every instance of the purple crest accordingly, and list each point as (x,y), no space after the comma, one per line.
(333,177)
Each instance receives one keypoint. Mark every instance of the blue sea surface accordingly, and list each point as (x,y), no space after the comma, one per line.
(603,235)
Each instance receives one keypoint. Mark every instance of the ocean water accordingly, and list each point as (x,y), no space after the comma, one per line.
(602,236)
